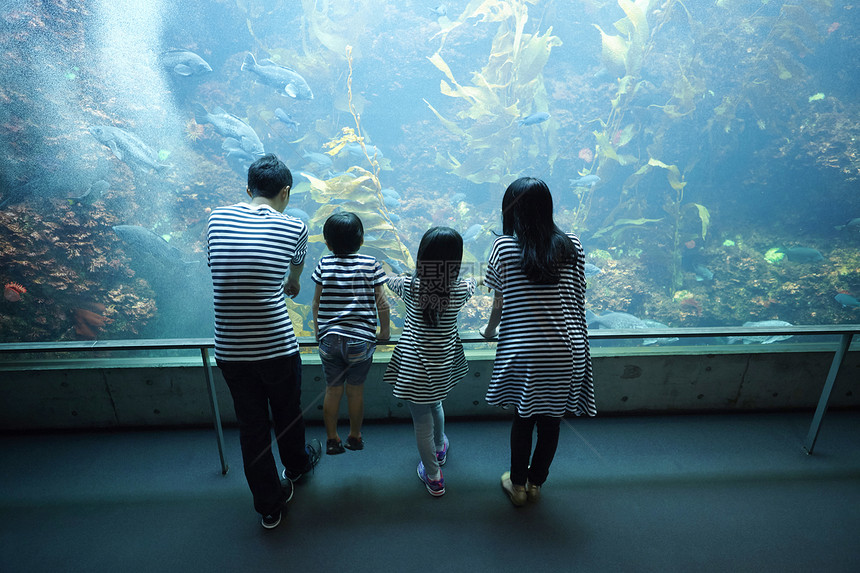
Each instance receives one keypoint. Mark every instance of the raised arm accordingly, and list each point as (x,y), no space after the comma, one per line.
(384,313)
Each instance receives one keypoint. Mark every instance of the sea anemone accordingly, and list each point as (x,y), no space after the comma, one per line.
(13,291)
(586,154)
(774,255)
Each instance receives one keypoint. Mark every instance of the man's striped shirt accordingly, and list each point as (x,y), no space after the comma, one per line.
(250,250)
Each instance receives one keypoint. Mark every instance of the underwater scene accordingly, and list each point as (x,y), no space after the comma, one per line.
(706,152)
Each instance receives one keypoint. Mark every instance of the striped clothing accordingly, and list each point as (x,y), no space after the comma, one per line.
(348,301)
(250,250)
(542,365)
(427,361)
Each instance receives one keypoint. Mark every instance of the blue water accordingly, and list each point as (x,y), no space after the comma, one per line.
(723,134)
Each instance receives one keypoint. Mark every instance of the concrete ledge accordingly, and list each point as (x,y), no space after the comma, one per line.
(151,392)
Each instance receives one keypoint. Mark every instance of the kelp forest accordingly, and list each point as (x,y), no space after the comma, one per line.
(707,154)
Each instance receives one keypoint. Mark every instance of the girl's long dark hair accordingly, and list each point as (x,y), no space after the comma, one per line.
(437,268)
(527,215)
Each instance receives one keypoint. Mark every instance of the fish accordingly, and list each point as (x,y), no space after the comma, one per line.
(440,10)
(585,181)
(144,245)
(703,273)
(279,77)
(239,161)
(125,145)
(388,192)
(652,341)
(803,255)
(592,270)
(761,339)
(472,233)
(320,159)
(851,224)
(457,197)
(299,214)
(286,118)
(355,149)
(93,193)
(615,321)
(184,63)
(396,266)
(534,119)
(846,300)
(229,125)
(392,201)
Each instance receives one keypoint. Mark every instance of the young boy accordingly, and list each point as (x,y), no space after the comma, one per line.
(348,287)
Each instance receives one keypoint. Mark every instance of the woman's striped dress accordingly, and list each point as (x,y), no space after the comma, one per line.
(427,361)
(542,365)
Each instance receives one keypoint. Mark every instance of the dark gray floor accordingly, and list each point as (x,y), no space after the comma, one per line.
(674,493)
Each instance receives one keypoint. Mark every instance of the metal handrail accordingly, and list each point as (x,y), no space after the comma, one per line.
(846,333)
(467,337)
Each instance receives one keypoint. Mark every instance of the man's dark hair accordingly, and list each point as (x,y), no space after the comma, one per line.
(343,233)
(267,176)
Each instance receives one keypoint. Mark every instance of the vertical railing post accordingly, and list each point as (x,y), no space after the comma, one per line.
(213,402)
(809,445)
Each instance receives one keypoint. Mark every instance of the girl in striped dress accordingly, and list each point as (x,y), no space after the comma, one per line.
(542,366)
(429,359)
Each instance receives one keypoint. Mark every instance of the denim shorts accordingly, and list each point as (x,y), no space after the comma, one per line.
(345,360)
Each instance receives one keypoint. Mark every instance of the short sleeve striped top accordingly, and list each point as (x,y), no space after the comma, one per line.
(348,303)
(427,362)
(250,249)
(543,363)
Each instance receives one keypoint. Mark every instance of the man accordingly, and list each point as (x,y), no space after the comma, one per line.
(256,255)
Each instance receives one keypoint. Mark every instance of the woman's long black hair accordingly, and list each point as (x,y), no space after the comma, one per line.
(527,215)
(437,268)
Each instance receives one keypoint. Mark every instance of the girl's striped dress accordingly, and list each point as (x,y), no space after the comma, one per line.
(542,365)
(428,361)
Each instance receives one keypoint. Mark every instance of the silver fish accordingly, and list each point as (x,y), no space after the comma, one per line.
(586,181)
(279,77)
(126,145)
(184,63)
(229,125)
(761,339)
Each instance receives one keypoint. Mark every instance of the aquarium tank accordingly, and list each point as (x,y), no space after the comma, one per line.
(706,152)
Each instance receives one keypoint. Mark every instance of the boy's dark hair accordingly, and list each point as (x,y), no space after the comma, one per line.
(437,268)
(267,176)
(343,233)
(527,215)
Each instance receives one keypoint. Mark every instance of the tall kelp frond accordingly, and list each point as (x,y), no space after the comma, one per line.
(358,190)
(336,27)
(509,87)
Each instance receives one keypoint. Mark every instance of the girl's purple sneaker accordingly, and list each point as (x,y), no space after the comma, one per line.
(435,487)
(442,456)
